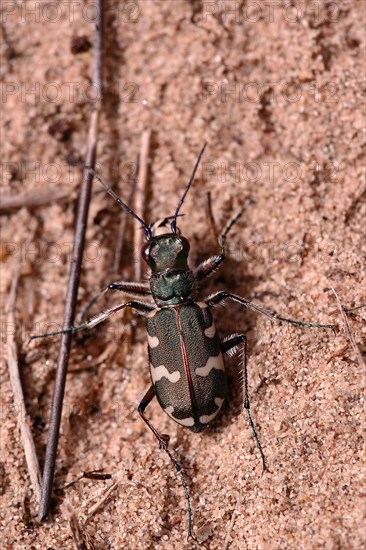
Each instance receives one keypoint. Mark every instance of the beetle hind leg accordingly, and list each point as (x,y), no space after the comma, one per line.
(163,444)
(237,343)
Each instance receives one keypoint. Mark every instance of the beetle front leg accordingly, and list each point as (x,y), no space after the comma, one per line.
(215,299)
(232,345)
(149,395)
(209,266)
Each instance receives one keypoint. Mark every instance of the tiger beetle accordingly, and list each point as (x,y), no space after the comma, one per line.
(185,352)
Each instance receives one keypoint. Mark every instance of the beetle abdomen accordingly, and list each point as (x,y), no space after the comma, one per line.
(186,364)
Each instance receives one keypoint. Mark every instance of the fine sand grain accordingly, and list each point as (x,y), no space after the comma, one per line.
(278,94)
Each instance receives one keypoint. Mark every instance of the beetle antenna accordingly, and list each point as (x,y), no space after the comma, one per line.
(174,222)
(119,201)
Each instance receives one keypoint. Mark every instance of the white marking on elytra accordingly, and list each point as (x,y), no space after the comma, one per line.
(189,421)
(206,418)
(216,362)
(157,373)
(210,331)
(202,305)
(153,341)
(152,313)
(219,401)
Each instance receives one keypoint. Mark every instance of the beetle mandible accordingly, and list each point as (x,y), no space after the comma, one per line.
(185,353)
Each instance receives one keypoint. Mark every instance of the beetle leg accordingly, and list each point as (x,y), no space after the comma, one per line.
(141,307)
(131,288)
(231,345)
(150,394)
(206,268)
(218,297)
(163,445)
(211,217)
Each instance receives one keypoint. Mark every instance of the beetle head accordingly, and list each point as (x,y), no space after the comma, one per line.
(166,251)
(171,280)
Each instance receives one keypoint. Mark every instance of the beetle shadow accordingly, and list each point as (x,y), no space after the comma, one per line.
(231,318)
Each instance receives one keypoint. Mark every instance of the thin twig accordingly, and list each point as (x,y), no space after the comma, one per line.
(74,276)
(140,197)
(360,195)
(136,487)
(303,249)
(350,309)
(31,199)
(210,216)
(347,329)
(78,532)
(105,497)
(120,236)
(94,474)
(230,528)
(25,431)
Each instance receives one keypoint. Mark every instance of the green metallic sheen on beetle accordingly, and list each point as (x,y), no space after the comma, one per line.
(171,280)
(186,363)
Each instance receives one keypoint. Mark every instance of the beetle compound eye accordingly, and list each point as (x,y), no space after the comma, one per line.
(178,245)
(145,252)
(186,246)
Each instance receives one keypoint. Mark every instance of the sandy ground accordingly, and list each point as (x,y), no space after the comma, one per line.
(276,89)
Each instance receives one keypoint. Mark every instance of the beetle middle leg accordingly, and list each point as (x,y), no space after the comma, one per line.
(141,307)
(148,397)
(220,296)
(237,343)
